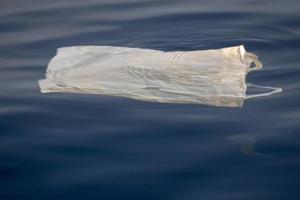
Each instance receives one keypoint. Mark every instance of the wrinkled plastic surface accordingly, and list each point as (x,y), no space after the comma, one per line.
(210,77)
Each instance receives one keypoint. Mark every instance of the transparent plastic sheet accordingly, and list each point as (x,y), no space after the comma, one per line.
(211,77)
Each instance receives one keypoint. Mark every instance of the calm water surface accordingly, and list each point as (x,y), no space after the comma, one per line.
(72,146)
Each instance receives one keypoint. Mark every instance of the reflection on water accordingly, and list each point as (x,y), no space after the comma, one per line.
(246,143)
(73,146)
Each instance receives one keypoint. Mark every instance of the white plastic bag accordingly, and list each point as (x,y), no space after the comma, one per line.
(211,77)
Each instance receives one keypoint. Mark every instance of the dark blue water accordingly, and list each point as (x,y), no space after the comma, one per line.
(72,146)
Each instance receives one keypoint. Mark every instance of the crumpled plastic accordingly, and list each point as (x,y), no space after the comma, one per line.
(214,77)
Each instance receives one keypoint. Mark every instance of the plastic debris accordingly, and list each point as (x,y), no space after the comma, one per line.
(211,77)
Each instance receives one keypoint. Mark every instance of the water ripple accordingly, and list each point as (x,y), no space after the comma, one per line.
(72,146)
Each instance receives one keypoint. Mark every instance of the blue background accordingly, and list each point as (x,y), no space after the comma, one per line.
(72,146)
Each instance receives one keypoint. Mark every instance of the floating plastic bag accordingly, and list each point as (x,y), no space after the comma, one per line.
(210,77)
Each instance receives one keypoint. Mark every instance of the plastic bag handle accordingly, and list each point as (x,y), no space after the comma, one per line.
(273,90)
(252,58)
